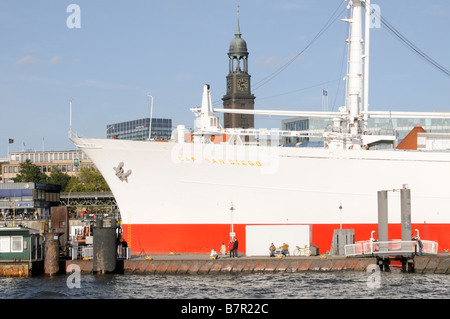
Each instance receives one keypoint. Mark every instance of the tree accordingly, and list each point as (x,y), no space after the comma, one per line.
(87,180)
(59,178)
(30,173)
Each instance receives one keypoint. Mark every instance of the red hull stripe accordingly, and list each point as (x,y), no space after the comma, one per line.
(201,238)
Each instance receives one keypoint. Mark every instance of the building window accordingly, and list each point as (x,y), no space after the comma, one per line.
(5,244)
(16,244)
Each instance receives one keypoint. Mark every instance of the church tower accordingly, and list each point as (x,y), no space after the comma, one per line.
(238,94)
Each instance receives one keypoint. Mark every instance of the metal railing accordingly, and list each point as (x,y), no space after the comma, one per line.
(392,247)
(124,252)
(82,251)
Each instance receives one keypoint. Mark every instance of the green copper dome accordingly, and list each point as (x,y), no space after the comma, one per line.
(238,46)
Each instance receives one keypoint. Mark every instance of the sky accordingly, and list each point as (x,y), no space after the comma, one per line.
(122,50)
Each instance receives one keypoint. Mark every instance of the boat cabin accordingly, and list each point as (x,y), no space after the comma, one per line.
(20,243)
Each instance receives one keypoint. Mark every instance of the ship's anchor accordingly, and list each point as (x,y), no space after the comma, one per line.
(120,172)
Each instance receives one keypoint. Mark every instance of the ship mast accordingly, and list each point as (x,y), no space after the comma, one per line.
(357,98)
(366,64)
(354,97)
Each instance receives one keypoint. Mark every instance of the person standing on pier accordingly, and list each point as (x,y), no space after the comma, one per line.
(230,247)
(235,248)
(223,250)
(124,248)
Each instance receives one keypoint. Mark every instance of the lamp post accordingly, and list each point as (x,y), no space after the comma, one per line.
(70,118)
(151,115)
(232,234)
(340,209)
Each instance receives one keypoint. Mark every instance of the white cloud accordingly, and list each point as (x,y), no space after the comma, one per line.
(27,60)
(55,60)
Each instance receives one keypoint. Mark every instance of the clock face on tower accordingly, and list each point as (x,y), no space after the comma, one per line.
(242,84)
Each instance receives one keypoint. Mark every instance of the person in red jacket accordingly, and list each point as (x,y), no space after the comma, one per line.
(230,247)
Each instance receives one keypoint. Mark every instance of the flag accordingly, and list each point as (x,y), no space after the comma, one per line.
(325,92)
(10,140)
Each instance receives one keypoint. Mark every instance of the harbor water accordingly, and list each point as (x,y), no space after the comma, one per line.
(303,285)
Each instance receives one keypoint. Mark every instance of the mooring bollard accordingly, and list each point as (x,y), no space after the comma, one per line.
(51,254)
(105,250)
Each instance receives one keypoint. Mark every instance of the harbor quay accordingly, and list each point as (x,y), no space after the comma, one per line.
(203,264)
(95,249)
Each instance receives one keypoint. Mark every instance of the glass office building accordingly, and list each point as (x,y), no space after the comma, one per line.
(139,129)
(402,126)
(316,126)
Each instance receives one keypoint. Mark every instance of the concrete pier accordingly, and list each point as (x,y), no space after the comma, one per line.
(244,265)
(200,264)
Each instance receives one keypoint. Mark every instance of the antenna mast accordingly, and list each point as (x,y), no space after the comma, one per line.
(70,118)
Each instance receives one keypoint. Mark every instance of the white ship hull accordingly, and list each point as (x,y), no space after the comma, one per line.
(190,188)
(188,197)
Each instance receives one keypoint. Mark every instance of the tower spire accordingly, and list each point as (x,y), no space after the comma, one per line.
(238,30)
(238,94)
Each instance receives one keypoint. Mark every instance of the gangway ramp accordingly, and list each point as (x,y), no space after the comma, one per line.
(391,248)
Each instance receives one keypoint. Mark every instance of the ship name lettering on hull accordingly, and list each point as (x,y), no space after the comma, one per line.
(191,159)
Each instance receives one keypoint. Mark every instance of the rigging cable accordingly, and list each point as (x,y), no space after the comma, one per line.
(290,92)
(339,83)
(328,24)
(410,45)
